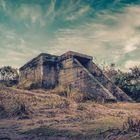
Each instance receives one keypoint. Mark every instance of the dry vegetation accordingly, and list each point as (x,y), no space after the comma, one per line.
(13,104)
(57,115)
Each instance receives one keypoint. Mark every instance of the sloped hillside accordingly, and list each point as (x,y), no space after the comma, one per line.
(53,115)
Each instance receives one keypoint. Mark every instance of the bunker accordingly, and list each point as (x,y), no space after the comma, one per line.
(71,70)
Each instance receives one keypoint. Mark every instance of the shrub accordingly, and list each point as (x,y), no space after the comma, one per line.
(131,125)
(76,96)
(14,106)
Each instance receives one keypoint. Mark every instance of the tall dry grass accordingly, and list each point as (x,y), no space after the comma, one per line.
(14,105)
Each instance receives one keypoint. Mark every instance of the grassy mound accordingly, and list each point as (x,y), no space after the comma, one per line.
(13,105)
(130,130)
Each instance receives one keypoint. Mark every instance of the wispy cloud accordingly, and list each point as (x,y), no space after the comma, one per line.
(132,45)
(131,64)
(78,13)
(104,41)
(106,30)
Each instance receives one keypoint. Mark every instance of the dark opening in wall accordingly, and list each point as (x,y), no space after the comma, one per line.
(83,61)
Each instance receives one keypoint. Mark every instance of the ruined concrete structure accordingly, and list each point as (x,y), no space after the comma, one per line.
(71,70)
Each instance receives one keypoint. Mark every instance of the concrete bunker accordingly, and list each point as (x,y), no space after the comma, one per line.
(74,70)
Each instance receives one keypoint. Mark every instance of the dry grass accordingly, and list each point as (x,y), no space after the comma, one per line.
(131,125)
(129,130)
(63,114)
(73,95)
(14,105)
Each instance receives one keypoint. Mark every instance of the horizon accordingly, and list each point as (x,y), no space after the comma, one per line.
(107,30)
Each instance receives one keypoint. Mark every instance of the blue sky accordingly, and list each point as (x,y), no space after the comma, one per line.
(108,30)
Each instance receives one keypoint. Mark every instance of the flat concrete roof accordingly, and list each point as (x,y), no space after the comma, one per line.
(36,59)
(70,54)
(66,55)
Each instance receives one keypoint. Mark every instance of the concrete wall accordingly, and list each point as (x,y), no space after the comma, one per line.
(74,76)
(50,78)
(50,72)
(106,82)
(67,73)
(31,75)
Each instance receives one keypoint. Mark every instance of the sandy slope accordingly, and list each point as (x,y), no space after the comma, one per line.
(56,117)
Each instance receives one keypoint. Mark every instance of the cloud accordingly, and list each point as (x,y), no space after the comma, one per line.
(3,4)
(51,8)
(95,28)
(131,64)
(33,13)
(78,13)
(131,45)
(104,40)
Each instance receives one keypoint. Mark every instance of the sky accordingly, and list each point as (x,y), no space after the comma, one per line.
(108,30)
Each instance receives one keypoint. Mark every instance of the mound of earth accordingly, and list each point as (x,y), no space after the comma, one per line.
(48,115)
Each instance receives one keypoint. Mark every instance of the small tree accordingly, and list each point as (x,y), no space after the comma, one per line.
(129,82)
(8,74)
